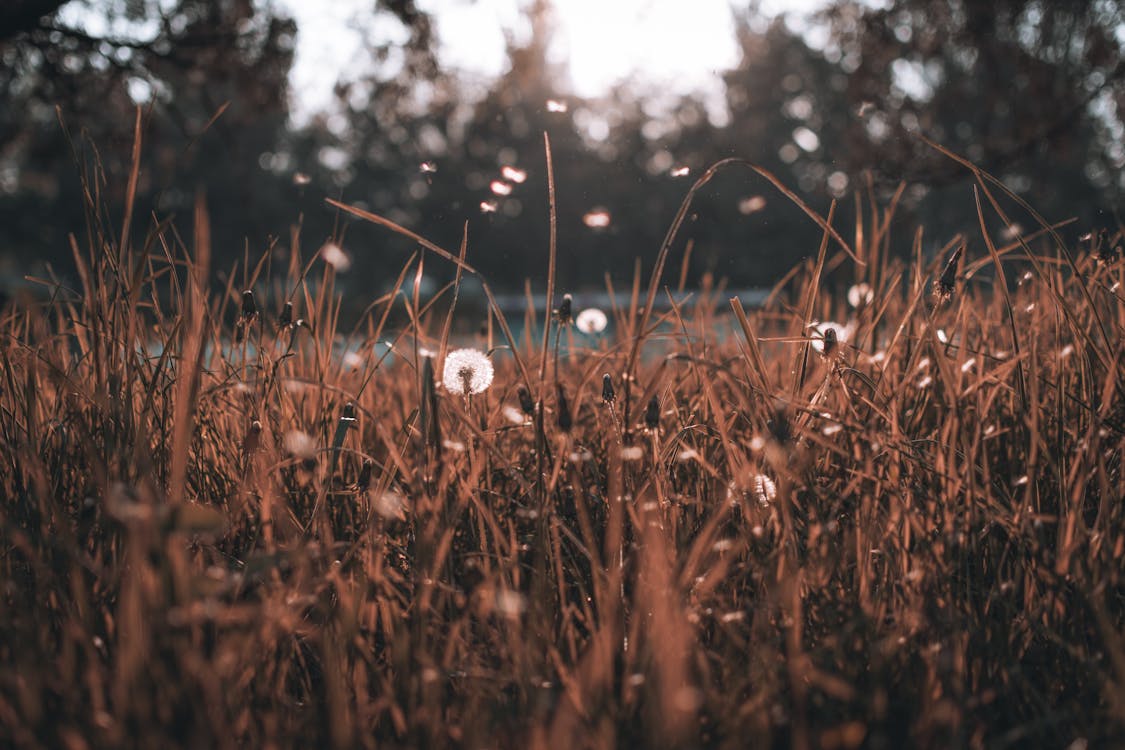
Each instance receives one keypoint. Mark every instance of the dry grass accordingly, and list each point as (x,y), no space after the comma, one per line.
(937,561)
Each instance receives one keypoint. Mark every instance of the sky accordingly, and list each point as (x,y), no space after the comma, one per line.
(675,46)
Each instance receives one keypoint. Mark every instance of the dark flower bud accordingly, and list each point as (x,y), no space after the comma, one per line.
(608,394)
(526,403)
(829,341)
(779,425)
(349,411)
(563,314)
(286,315)
(949,275)
(249,307)
(565,421)
(652,413)
(364,480)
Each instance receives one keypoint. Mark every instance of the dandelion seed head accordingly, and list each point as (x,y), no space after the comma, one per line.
(632,453)
(427,167)
(681,171)
(514,415)
(968,364)
(489,207)
(353,360)
(300,445)
(510,604)
(453,445)
(860,294)
(597,218)
(591,321)
(300,179)
(687,454)
(467,371)
(556,105)
(334,255)
(499,187)
(390,505)
(751,205)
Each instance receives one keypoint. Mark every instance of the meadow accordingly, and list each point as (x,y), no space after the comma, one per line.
(704,526)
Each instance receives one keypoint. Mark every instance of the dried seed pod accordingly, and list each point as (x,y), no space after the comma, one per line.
(364,480)
(565,310)
(249,306)
(565,420)
(779,425)
(608,394)
(829,342)
(526,403)
(652,413)
(949,276)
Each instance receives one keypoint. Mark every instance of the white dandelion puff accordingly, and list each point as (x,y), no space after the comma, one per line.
(514,415)
(334,255)
(751,204)
(591,321)
(500,187)
(353,360)
(556,105)
(510,604)
(300,445)
(860,294)
(632,453)
(467,371)
(597,218)
(390,505)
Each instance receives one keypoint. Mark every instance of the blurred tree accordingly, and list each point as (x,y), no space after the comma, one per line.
(1031,90)
(182,62)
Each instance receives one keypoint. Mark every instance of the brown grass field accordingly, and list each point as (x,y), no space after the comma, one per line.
(216,531)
